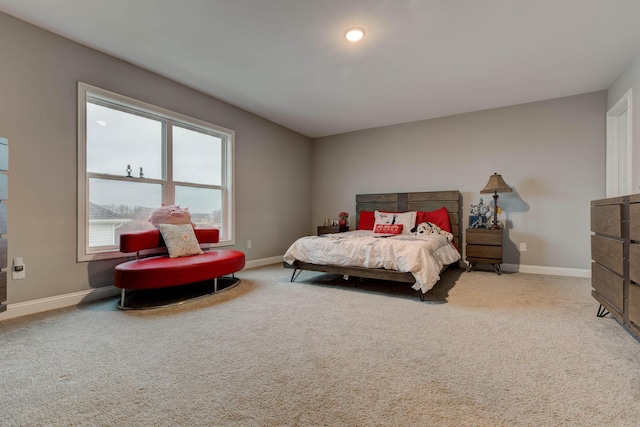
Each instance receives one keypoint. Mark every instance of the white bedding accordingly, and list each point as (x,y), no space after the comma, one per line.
(422,256)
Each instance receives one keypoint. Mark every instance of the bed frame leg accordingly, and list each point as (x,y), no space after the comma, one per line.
(295,274)
(602,311)
(422,297)
(355,280)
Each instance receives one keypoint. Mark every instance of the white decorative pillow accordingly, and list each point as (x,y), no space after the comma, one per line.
(180,240)
(407,219)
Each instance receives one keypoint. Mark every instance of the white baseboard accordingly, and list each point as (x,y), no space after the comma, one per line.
(66,300)
(514,268)
(263,261)
(58,301)
(552,271)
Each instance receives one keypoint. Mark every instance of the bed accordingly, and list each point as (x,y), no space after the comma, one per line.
(389,262)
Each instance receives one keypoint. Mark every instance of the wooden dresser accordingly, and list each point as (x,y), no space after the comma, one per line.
(4,194)
(615,251)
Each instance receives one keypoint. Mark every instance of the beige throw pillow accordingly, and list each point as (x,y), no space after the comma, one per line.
(180,240)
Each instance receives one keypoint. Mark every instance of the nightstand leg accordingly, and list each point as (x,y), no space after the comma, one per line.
(496,267)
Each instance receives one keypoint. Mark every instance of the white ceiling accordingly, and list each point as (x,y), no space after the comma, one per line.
(286,60)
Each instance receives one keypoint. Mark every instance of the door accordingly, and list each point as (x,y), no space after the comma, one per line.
(619,169)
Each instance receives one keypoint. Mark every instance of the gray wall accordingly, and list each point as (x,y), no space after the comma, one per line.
(630,79)
(39,72)
(551,153)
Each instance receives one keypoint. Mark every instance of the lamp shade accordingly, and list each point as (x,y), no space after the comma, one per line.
(496,184)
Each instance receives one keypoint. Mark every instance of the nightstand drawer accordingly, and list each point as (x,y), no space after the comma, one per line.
(485,252)
(327,229)
(331,229)
(484,236)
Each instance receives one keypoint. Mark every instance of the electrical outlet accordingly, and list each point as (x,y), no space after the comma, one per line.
(523,247)
(248,244)
(18,269)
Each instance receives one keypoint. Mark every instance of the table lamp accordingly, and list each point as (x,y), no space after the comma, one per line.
(496,185)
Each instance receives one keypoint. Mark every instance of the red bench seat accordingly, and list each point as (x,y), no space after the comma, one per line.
(161,271)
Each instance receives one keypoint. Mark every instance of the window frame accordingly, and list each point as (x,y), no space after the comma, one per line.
(168,118)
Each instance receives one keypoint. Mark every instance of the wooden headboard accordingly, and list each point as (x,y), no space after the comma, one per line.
(418,201)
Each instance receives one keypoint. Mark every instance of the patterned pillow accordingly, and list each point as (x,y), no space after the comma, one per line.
(389,228)
(407,219)
(180,240)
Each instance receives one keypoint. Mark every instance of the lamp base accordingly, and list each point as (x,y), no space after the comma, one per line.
(495,224)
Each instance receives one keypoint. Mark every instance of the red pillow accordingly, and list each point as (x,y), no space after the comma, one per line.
(388,228)
(366,221)
(438,217)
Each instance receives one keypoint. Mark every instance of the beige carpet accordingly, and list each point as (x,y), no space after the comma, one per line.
(486,350)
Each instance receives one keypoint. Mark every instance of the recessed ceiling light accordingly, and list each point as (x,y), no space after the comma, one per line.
(354,34)
(101,122)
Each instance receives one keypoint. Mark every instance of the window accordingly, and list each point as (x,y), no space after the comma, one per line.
(133,157)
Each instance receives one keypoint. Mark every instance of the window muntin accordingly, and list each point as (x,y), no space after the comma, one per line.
(184,161)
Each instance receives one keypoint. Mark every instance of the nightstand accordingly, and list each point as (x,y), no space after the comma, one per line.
(484,245)
(331,229)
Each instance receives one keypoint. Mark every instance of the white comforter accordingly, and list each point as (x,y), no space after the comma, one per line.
(422,256)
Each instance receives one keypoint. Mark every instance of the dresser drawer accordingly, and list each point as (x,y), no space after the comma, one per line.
(634,262)
(3,286)
(634,221)
(608,284)
(634,304)
(607,252)
(607,220)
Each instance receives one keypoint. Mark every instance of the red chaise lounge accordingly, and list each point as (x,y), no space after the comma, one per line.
(161,271)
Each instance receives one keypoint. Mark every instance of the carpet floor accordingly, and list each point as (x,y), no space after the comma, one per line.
(483,350)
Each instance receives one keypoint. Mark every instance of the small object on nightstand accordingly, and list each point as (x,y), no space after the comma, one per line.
(344,221)
(484,245)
